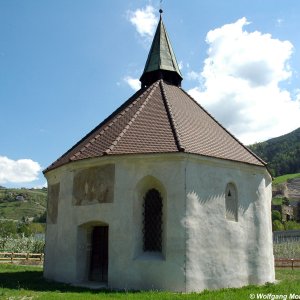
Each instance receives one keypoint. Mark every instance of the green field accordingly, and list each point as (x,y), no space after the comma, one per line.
(26,283)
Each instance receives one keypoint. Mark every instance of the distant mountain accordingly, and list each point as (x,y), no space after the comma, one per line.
(282,153)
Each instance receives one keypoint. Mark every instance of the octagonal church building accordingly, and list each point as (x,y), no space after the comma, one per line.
(159,196)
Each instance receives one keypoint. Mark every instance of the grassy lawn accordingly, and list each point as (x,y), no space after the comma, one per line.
(26,283)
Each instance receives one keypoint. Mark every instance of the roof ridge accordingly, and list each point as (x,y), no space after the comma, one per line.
(112,115)
(171,118)
(178,124)
(174,60)
(113,121)
(118,138)
(245,147)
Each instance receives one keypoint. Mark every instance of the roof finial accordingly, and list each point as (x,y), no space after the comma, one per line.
(160,9)
(161,62)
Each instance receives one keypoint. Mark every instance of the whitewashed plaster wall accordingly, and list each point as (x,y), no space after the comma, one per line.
(223,253)
(201,249)
(129,267)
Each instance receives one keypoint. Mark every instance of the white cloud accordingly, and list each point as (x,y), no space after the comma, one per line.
(180,65)
(144,21)
(40,186)
(192,75)
(240,83)
(134,83)
(17,171)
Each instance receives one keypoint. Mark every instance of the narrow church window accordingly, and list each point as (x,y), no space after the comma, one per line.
(152,222)
(231,202)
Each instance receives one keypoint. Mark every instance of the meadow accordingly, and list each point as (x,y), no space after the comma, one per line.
(27,283)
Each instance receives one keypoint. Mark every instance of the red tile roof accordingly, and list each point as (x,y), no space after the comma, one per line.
(159,119)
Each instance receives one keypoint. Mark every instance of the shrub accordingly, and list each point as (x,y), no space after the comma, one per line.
(13,229)
(291,225)
(276,215)
(285,201)
(277,225)
(36,228)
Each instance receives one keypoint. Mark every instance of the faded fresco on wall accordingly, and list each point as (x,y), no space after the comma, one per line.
(94,185)
(52,205)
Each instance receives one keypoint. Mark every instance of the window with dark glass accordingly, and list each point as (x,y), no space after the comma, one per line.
(231,202)
(152,221)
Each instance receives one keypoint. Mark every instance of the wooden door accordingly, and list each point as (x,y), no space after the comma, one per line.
(99,254)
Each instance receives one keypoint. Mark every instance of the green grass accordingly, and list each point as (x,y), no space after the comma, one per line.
(26,283)
(284,178)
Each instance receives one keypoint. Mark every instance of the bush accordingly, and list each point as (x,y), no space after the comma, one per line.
(277,225)
(14,229)
(276,215)
(286,201)
(291,225)
(35,228)
(23,229)
(41,218)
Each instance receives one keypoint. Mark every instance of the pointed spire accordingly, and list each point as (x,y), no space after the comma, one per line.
(161,62)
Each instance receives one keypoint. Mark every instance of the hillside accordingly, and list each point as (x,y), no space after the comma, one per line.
(282,153)
(21,204)
(287,186)
(286,202)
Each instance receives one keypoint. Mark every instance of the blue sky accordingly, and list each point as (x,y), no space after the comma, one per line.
(65,65)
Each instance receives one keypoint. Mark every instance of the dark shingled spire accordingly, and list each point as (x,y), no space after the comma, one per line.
(161,62)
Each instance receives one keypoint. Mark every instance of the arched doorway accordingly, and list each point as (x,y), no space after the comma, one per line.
(92,252)
(99,254)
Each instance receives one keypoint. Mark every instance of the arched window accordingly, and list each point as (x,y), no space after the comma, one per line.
(152,221)
(231,202)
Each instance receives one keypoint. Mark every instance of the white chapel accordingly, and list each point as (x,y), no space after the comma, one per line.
(159,196)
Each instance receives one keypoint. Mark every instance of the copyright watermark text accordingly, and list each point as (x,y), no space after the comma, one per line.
(271,296)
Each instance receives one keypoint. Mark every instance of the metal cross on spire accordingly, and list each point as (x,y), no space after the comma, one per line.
(160,7)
